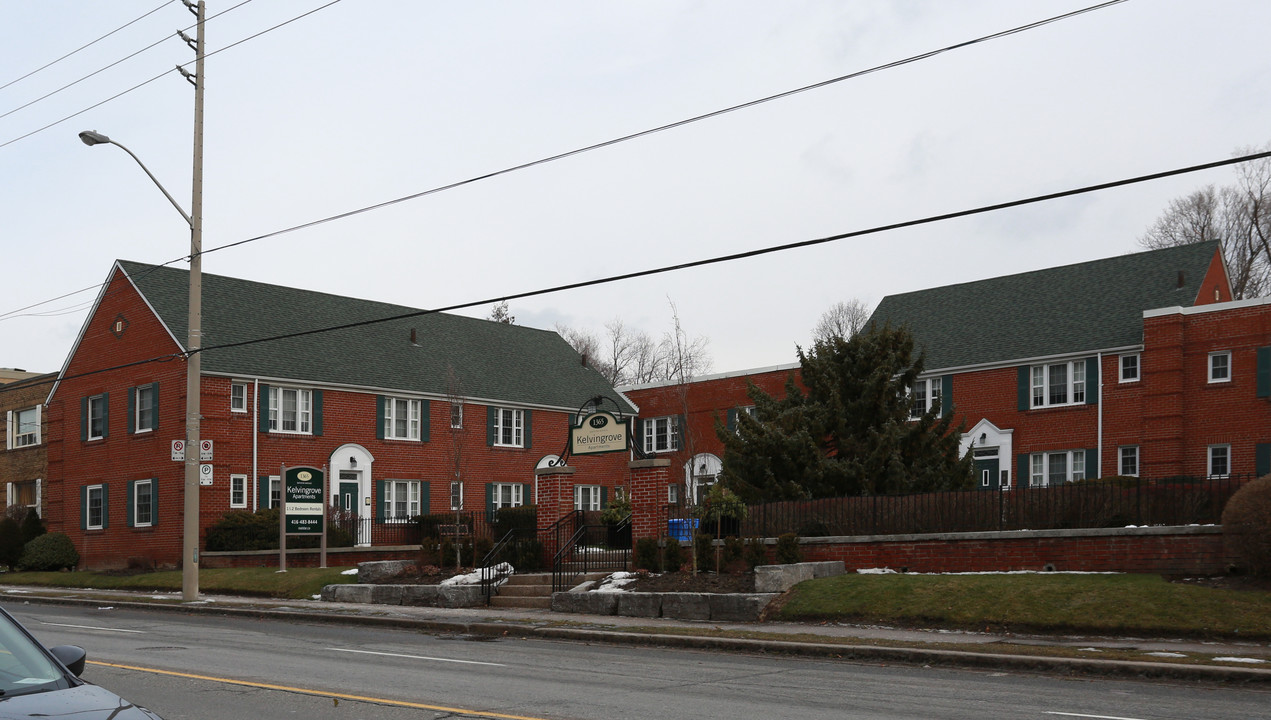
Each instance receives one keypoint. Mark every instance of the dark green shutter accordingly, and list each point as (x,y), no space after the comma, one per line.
(1025,389)
(681,427)
(105,507)
(425,419)
(105,415)
(262,399)
(526,497)
(317,412)
(573,420)
(946,396)
(425,498)
(381,500)
(154,502)
(380,412)
(1092,464)
(1092,381)
(154,406)
(604,497)
(83,419)
(1264,372)
(83,508)
(262,492)
(732,420)
(1262,459)
(489,501)
(528,437)
(132,415)
(490,412)
(1023,470)
(132,503)
(637,438)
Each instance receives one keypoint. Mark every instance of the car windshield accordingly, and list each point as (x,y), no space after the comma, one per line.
(24,666)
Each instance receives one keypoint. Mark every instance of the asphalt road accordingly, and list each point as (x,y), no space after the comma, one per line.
(198,666)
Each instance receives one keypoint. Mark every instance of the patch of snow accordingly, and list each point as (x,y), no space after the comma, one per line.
(316,597)
(876,571)
(15,592)
(1166,654)
(350,571)
(1239,659)
(1090,649)
(502,570)
(615,582)
(889,571)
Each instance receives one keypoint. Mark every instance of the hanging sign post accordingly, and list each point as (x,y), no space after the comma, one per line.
(303,510)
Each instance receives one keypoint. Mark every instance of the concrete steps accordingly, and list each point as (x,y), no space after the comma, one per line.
(530,591)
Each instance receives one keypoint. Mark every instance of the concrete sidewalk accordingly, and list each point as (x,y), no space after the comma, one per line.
(1224,661)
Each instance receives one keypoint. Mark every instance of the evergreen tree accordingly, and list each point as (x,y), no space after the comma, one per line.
(10,542)
(32,526)
(847,431)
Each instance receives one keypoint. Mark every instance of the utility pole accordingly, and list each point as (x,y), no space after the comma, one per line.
(194,341)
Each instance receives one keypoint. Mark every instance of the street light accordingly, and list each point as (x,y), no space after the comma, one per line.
(193,363)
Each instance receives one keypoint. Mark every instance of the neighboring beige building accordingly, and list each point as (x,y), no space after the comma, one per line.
(24,460)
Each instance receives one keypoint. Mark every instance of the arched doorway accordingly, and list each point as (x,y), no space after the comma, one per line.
(699,474)
(350,486)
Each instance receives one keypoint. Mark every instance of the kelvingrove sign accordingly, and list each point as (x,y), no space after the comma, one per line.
(599,432)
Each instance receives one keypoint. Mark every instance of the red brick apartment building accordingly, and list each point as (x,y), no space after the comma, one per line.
(394,410)
(23,465)
(1133,365)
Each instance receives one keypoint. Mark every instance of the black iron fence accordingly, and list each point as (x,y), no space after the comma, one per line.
(1102,503)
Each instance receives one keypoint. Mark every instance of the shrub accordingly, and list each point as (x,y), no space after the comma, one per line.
(704,551)
(1246,527)
(645,556)
(617,511)
(523,519)
(51,551)
(734,549)
(10,542)
(32,526)
(788,551)
(673,555)
(242,530)
(755,553)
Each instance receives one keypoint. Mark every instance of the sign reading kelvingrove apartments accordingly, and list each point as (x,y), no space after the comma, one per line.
(598,433)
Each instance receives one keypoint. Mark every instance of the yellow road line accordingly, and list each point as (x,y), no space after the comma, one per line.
(319,693)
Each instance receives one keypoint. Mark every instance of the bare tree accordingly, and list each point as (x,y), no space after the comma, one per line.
(454,394)
(841,320)
(632,357)
(501,313)
(1238,215)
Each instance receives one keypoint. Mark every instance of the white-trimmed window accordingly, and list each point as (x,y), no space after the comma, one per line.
(95,510)
(24,494)
(142,510)
(401,500)
(290,410)
(506,495)
(661,434)
(23,427)
(1129,460)
(1130,368)
(238,491)
(1220,367)
(924,395)
(144,403)
(1059,384)
(509,427)
(456,495)
(1219,460)
(238,397)
(672,494)
(456,415)
(401,418)
(1052,468)
(96,417)
(275,491)
(586,497)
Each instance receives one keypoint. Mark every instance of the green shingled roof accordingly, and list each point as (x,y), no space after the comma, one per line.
(493,361)
(1075,308)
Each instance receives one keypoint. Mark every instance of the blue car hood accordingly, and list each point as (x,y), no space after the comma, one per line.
(83,702)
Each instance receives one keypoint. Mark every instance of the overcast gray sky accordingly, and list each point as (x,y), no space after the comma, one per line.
(370,100)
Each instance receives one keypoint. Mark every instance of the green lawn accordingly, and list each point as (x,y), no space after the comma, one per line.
(258,582)
(1049,602)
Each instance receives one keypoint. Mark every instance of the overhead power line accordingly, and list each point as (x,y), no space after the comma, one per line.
(980,210)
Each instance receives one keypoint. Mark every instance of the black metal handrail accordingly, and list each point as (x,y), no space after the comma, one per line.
(490,576)
(604,547)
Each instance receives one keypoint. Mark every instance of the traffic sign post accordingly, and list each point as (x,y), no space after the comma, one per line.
(303,510)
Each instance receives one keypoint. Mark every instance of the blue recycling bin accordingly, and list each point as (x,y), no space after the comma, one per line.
(681,528)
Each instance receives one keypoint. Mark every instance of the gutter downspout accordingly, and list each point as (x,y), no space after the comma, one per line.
(1099,447)
(255,440)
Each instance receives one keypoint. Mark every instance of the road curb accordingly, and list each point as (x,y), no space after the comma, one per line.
(932,657)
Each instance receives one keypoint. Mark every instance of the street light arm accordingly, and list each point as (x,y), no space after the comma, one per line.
(97,139)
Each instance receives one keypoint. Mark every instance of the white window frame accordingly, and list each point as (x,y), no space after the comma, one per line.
(592,500)
(1042,384)
(1128,453)
(404,494)
(97,410)
(136,503)
(238,487)
(456,495)
(100,492)
(1220,372)
(661,434)
(1130,368)
(238,397)
(509,427)
(403,412)
(303,411)
(11,493)
(456,415)
(143,403)
(507,495)
(924,395)
(1041,467)
(672,494)
(15,437)
(1213,453)
(275,491)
